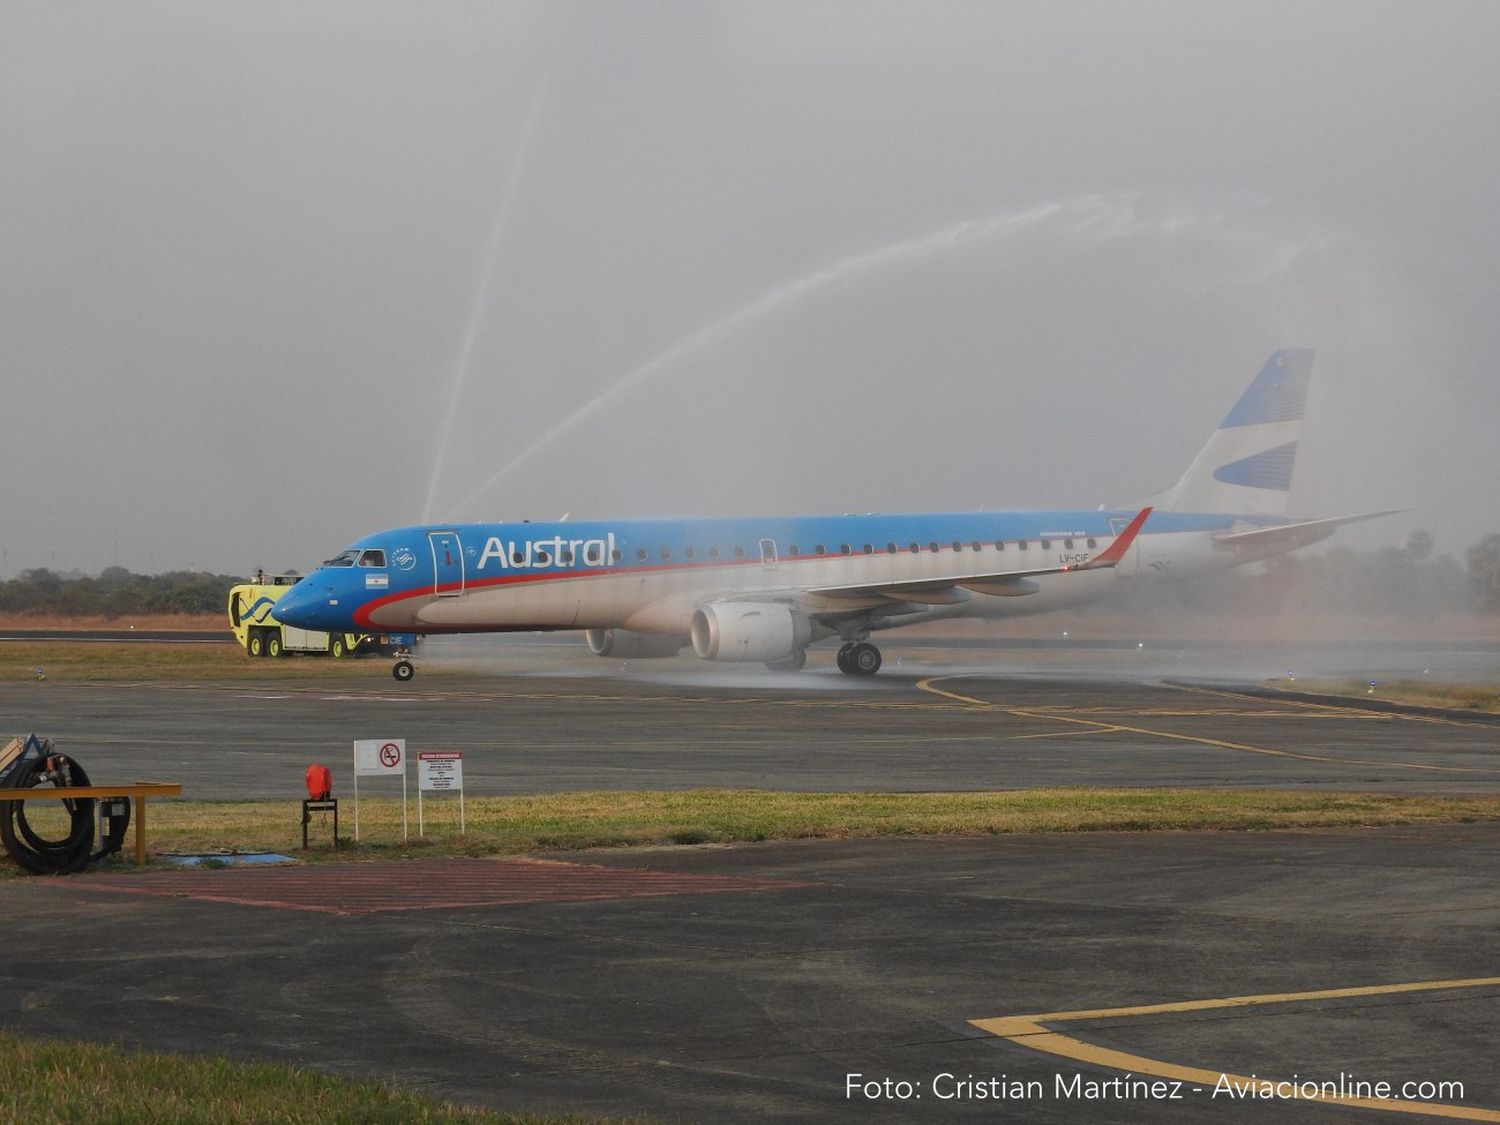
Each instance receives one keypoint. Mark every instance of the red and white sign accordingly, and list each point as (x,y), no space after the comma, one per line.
(379,756)
(440,771)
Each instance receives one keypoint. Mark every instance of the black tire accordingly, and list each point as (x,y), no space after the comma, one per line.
(273,644)
(865,659)
(843,659)
(403,670)
(338,648)
(794,663)
(255,644)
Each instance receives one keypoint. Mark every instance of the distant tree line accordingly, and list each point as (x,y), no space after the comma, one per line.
(115,593)
(1409,580)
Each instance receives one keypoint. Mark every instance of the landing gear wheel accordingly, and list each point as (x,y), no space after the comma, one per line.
(794,663)
(843,659)
(864,659)
(273,644)
(256,644)
(403,670)
(337,648)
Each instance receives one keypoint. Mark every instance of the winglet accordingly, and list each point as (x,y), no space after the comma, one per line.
(1112,554)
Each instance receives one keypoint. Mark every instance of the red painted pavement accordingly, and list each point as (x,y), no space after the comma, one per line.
(431,884)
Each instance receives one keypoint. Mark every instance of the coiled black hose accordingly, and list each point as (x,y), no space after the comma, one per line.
(73,852)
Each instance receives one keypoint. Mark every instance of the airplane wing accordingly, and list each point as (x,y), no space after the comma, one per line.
(1287,536)
(951,590)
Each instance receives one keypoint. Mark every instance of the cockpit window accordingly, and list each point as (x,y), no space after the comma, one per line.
(372,558)
(344,558)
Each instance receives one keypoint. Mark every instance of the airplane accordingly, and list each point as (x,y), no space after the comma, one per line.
(764,589)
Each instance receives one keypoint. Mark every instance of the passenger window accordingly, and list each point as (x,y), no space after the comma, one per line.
(974,546)
(640,553)
(616,555)
(999,544)
(1021,543)
(518,558)
(1046,544)
(566,558)
(713,552)
(739,552)
(1091,541)
(820,550)
(794,550)
(957,546)
(844,549)
(666,554)
(869,549)
(915,547)
(691,552)
(933,547)
(890,548)
(1067,544)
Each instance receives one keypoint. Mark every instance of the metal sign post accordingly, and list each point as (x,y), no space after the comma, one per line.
(440,771)
(379,757)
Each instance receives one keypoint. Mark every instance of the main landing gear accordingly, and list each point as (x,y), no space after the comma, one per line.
(859,658)
(403,669)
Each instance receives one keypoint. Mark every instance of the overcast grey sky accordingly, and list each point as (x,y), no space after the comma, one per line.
(277,275)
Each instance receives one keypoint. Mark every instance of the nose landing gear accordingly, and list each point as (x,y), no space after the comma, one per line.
(859,658)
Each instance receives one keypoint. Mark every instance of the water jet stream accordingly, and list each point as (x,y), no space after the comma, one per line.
(482,296)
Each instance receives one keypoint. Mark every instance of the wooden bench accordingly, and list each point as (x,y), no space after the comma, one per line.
(137,792)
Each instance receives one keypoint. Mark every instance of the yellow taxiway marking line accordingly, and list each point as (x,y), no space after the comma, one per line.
(1061,734)
(1027,1031)
(927,686)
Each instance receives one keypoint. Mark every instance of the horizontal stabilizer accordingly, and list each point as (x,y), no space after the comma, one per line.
(1289,536)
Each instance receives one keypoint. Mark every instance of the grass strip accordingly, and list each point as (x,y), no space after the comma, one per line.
(130,661)
(1420,693)
(48,1080)
(573,821)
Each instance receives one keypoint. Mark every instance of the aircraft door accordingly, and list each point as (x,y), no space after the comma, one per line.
(447,563)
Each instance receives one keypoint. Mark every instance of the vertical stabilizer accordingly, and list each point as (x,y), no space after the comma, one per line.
(1247,464)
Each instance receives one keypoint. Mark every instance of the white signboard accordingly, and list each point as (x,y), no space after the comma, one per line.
(440,771)
(378,756)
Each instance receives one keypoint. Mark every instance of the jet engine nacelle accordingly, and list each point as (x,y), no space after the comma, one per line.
(748,631)
(629,645)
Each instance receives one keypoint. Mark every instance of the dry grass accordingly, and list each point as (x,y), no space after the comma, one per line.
(1421,693)
(47,1080)
(105,661)
(515,825)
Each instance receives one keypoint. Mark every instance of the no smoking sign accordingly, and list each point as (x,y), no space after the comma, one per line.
(379,756)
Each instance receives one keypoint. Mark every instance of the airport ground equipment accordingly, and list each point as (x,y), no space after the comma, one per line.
(253,622)
(320,799)
(33,770)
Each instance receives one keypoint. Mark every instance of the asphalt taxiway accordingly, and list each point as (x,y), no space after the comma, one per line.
(902,979)
(751,983)
(927,724)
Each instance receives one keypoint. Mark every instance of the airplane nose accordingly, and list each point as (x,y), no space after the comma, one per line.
(298,607)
